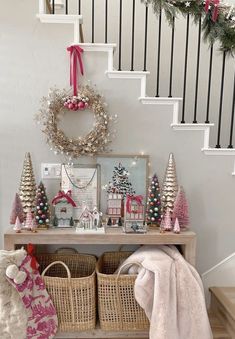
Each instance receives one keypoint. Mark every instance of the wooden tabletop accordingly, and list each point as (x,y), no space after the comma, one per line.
(112,236)
(62,236)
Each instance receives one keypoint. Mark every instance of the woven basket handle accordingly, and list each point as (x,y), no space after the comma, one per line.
(66,249)
(55,263)
(128,263)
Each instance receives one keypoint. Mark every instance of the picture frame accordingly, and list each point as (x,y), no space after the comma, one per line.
(84,181)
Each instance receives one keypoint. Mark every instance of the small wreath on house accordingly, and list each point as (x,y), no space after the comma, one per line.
(57,103)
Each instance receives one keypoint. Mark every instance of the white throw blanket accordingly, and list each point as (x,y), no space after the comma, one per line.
(170,291)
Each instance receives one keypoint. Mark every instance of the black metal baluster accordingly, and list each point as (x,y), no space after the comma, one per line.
(93,21)
(221,102)
(120,38)
(232,117)
(197,70)
(145,37)
(133,36)
(159,51)
(53,6)
(79,6)
(106,22)
(209,86)
(172,57)
(185,70)
(66,6)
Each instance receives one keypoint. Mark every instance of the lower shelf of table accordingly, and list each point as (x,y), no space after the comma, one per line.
(98,333)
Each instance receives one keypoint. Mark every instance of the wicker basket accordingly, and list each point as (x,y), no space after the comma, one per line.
(118,309)
(71,282)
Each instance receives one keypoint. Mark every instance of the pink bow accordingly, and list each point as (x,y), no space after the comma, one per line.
(61,195)
(130,198)
(216,8)
(75,57)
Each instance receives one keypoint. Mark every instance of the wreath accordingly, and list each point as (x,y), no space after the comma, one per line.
(57,103)
(218,18)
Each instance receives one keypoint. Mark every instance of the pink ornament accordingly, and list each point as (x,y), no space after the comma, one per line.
(81,105)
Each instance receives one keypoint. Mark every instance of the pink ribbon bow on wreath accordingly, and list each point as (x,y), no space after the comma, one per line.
(130,198)
(61,195)
(216,8)
(75,58)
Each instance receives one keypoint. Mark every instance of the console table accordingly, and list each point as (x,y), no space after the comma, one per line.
(187,241)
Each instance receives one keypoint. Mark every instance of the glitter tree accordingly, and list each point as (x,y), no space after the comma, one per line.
(17,211)
(120,183)
(167,221)
(29,220)
(42,208)
(18,225)
(170,185)
(180,210)
(27,190)
(176,228)
(154,202)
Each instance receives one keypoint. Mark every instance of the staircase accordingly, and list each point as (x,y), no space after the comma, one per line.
(222,311)
(179,123)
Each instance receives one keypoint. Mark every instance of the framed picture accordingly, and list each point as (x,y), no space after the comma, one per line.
(84,183)
(113,166)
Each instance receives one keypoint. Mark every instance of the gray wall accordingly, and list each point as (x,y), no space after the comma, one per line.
(33,58)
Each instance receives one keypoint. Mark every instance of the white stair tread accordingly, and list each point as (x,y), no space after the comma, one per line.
(219,151)
(59,18)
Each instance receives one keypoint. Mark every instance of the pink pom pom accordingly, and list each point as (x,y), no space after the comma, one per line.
(75,108)
(70,106)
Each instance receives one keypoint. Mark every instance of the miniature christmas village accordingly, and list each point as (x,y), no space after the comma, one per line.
(166,208)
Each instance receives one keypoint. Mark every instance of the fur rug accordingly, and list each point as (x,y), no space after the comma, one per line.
(13,318)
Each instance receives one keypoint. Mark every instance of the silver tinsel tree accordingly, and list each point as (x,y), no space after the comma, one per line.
(170,185)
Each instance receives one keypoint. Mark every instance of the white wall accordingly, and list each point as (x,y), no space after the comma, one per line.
(33,58)
(223,274)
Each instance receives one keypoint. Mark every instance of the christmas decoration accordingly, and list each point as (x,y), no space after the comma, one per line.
(167,221)
(134,214)
(42,320)
(64,205)
(176,228)
(180,210)
(115,208)
(217,18)
(27,190)
(162,225)
(75,59)
(56,104)
(42,208)
(170,185)
(120,183)
(29,220)
(90,221)
(18,225)
(154,210)
(17,210)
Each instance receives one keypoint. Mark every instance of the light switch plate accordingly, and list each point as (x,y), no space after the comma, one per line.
(50,171)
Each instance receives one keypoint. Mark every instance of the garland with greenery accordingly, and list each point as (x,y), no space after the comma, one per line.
(219,27)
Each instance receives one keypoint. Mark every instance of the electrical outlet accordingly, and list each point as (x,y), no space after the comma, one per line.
(50,171)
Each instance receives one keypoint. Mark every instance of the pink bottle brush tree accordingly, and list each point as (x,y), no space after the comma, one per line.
(180,210)
(17,210)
